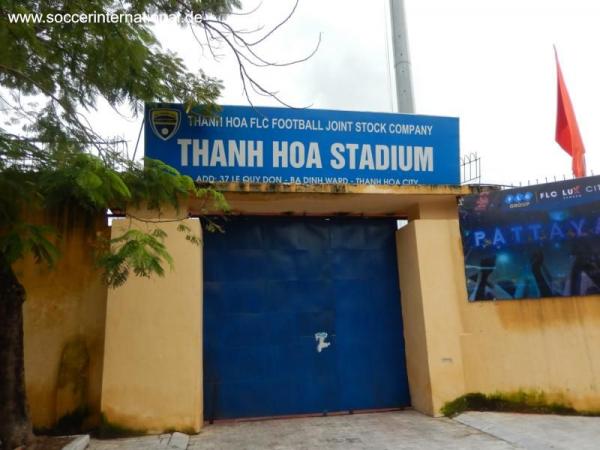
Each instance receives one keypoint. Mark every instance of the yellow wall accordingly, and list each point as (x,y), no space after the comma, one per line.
(153,348)
(64,318)
(454,347)
(430,292)
(140,351)
(550,345)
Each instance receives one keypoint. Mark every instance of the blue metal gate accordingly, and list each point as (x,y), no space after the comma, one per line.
(302,315)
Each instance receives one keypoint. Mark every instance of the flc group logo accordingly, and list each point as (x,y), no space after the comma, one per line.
(519,199)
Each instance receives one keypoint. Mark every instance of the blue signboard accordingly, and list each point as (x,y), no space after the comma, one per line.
(535,241)
(304,146)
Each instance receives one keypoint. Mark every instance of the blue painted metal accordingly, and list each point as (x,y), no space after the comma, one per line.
(271,284)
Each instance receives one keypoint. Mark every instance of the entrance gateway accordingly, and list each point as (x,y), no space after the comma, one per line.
(302,315)
(300,294)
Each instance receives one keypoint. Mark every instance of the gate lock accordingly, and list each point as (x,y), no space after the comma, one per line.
(320,338)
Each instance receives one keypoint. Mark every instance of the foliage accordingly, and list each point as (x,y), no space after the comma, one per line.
(52,158)
(75,64)
(135,251)
(156,184)
(84,183)
(53,77)
(24,238)
(532,402)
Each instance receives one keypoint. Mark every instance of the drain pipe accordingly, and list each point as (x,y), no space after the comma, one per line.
(404,89)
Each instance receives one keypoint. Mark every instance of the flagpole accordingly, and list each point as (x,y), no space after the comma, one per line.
(404,89)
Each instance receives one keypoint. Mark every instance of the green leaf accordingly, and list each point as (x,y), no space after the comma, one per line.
(142,253)
(88,181)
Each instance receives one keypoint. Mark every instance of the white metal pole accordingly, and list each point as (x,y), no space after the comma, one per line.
(404,89)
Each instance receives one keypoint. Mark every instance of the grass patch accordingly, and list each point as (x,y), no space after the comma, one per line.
(519,402)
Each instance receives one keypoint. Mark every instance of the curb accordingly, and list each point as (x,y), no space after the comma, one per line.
(178,441)
(79,443)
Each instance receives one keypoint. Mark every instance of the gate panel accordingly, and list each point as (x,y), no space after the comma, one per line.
(272,284)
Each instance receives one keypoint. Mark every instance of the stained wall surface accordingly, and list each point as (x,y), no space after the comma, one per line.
(64,319)
(147,374)
(549,346)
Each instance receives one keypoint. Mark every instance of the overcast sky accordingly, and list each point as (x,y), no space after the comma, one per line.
(488,62)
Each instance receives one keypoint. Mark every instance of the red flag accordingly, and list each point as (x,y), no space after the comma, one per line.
(567,131)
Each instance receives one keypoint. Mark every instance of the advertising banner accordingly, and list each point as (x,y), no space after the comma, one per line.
(535,241)
(304,146)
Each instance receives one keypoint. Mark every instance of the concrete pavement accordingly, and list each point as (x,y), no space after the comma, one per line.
(537,431)
(383,431)
(403,430)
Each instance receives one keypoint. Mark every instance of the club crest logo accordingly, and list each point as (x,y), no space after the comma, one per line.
(165,122)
